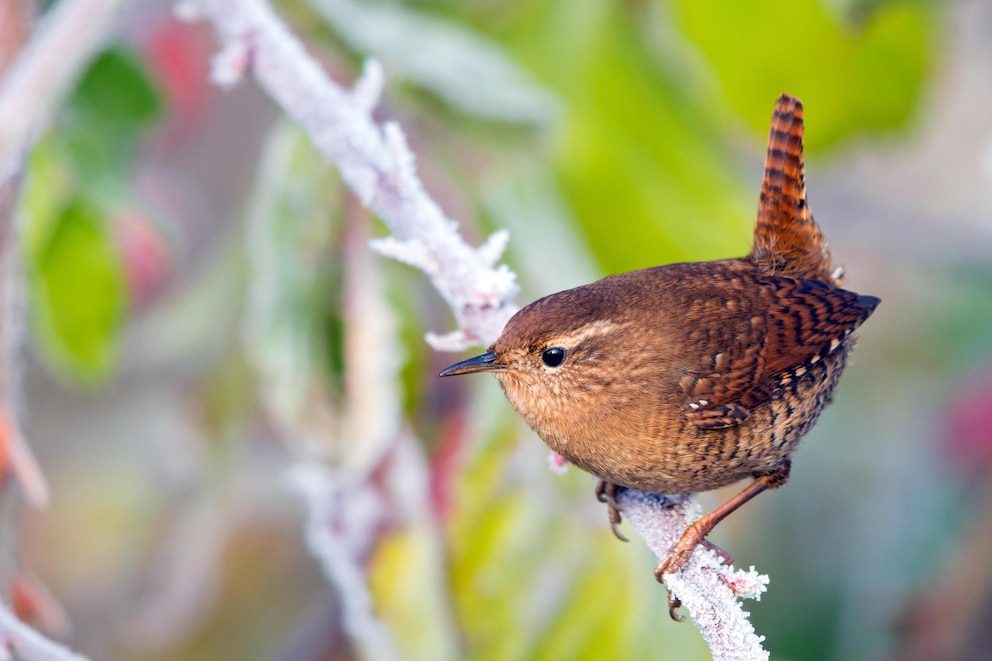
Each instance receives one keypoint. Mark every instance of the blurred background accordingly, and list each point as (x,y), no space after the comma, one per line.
(204,317)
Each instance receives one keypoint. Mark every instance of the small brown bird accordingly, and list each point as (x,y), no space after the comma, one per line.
(688,377)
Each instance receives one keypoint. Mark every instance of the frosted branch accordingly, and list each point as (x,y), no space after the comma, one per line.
(376,164)
(23,642)
(368,88)
(359,470)
(709,591)
(340,528)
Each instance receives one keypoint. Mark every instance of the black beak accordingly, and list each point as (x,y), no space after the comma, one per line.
(484,363)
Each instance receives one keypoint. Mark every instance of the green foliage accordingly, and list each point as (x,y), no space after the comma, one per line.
(455,64)
(641,168)
(76,181)
(649,90)
(852,77)
(114,102)
(77,293)
(637,155)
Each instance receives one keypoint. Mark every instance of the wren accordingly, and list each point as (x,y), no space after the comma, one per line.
(688,377)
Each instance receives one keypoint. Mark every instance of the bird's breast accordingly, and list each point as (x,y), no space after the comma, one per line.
(643,440)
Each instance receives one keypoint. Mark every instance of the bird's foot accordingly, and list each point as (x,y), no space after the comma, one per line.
(679,556)
(606,492)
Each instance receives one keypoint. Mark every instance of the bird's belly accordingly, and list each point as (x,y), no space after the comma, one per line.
(676,456)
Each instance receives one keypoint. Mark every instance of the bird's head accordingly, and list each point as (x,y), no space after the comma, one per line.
(553,356)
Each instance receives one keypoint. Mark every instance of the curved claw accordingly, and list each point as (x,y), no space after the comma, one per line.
(677,559)
(614,522)
(673,562)
(673,602)
(607,493)
(673,605)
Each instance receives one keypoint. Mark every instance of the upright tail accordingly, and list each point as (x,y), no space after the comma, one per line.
(787,241)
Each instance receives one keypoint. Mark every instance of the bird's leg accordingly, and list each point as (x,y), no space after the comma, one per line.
(606,492)
(673,602)
(696,533)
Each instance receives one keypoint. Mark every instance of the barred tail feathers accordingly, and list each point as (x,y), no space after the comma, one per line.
(787,241)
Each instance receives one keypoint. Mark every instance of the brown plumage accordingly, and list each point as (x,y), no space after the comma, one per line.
(787,241)
(688,377)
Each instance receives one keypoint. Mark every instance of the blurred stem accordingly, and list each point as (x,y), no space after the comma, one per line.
(373,354)
(9,503)
(15,455)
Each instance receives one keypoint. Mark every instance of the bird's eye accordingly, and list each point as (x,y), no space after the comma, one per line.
(553,357)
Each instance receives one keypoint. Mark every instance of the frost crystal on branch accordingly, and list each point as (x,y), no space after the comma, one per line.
(231,64)
(491,251)
(368,88)
(340,519)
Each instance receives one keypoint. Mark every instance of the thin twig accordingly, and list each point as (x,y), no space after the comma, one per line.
(17,455)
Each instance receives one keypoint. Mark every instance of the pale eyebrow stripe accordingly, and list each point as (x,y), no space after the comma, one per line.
(593,329)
